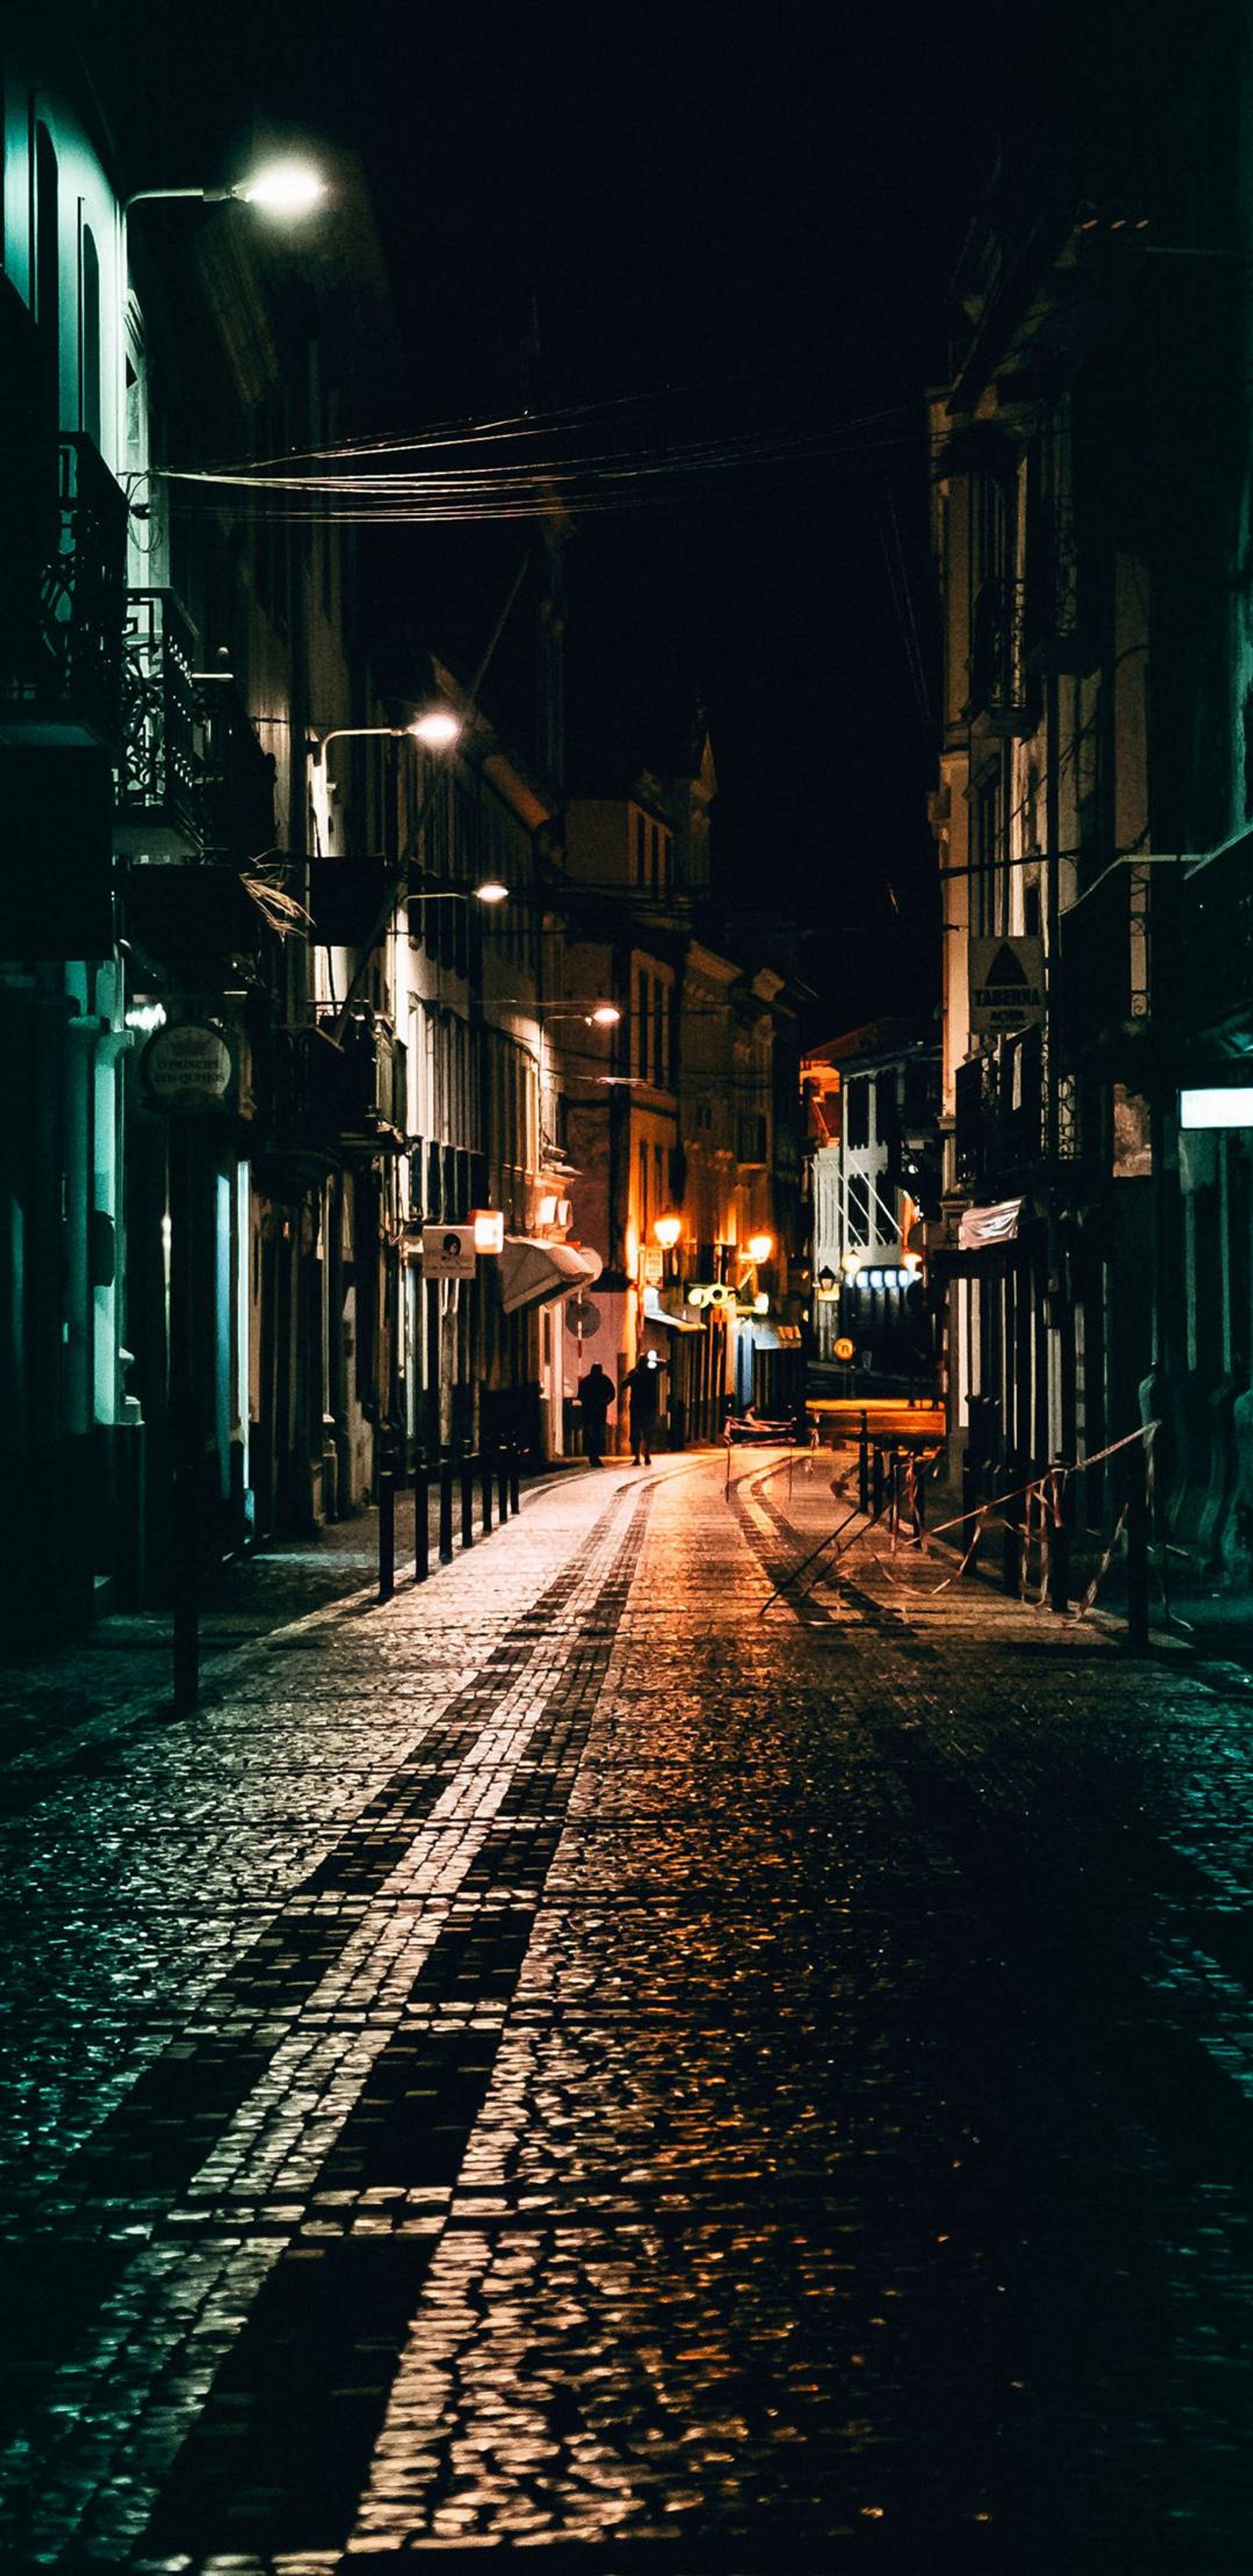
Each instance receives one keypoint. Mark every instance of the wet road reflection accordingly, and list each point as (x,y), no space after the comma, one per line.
(594,2066)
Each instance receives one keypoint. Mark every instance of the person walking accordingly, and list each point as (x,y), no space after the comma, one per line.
(596,1394)
(643,1384)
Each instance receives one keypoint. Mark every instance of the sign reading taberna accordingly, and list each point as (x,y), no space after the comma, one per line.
(189,1066)
(1006,984)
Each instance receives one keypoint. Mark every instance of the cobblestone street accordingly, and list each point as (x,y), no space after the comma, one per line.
(590,2060)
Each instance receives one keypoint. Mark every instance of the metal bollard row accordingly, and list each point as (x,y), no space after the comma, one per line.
(498,1477)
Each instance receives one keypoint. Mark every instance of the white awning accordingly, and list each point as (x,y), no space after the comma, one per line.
(532,1274)
(981,1228)
(673,1323)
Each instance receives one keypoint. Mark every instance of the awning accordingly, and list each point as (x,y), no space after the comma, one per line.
(982,1228)
(673,1323)
(532,1274)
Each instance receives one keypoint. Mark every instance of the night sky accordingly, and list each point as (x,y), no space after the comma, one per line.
(736,224)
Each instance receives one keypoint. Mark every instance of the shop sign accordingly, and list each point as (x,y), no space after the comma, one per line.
(189,1067)
(1006,985)
(448,1251)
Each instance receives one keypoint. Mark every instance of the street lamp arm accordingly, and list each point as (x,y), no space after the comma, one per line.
(353,733)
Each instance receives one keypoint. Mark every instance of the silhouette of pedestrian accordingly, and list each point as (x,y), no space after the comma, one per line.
(596,1394)
(643,1384)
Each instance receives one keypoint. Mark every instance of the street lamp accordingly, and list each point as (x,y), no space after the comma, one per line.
(759,1247)
(287,188)
(437,729)
(667,1230)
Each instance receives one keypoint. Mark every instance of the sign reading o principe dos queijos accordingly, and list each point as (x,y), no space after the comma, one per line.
(189,1066)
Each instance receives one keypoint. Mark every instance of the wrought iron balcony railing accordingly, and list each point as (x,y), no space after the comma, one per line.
(1000,685)
(160,767)
(62,648)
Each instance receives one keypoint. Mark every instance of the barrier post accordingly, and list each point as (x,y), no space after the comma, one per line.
(421,1519)
(515,1469)
(1059,1539)
(1137,1550)
(1012,1540)
(445,1511)
(502,1485)
(863,1466)
(467,1499)
(387,1524)
(485,1470)
(876,1481)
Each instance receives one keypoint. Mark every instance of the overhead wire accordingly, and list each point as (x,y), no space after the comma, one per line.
(476,476)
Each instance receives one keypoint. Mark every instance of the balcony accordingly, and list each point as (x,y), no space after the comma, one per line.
(1095,979)
(1000,686)
(61,638)
(1000,1114)
(1205,977)
(356,1091)
(159,771)
(237,778)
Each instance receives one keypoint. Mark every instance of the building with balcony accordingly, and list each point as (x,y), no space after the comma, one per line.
(874,1162)
(1094,804)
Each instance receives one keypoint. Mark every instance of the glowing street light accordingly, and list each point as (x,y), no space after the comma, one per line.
(438,730)
(667,1230)
(437,727)
(759,1247)
(290,188)
(287,189)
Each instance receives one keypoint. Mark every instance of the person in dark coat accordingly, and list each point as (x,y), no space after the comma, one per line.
(643,1384)
(596,1394)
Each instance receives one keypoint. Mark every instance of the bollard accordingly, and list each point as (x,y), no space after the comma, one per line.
(445,1511)
(421,1519)
(971,1499)
(1012,1539)
(387,1529)
(186,1588)
(863,1467)
(515,1469)
(1059,1542)
(876,1481)
(1137,1551)
(485,1465)
(467,1500)
(502,1487)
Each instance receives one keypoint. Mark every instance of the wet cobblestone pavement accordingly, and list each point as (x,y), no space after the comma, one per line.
(590,2068)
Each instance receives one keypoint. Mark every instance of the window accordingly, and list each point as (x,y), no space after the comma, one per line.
(857,1217)
(89,339)
(655,855)
(857,1114)
(884,1108)
(644,1004)
(660,1068)
(989,883)
(47,262)
(642,1162)
(640,830)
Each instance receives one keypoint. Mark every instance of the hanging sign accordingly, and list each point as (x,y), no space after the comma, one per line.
(189,1067)
(448,1251)
(1006,984)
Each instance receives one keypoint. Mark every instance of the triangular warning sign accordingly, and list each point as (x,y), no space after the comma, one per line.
(1006,967)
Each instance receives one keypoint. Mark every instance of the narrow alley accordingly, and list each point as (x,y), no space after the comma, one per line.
(590,2060)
